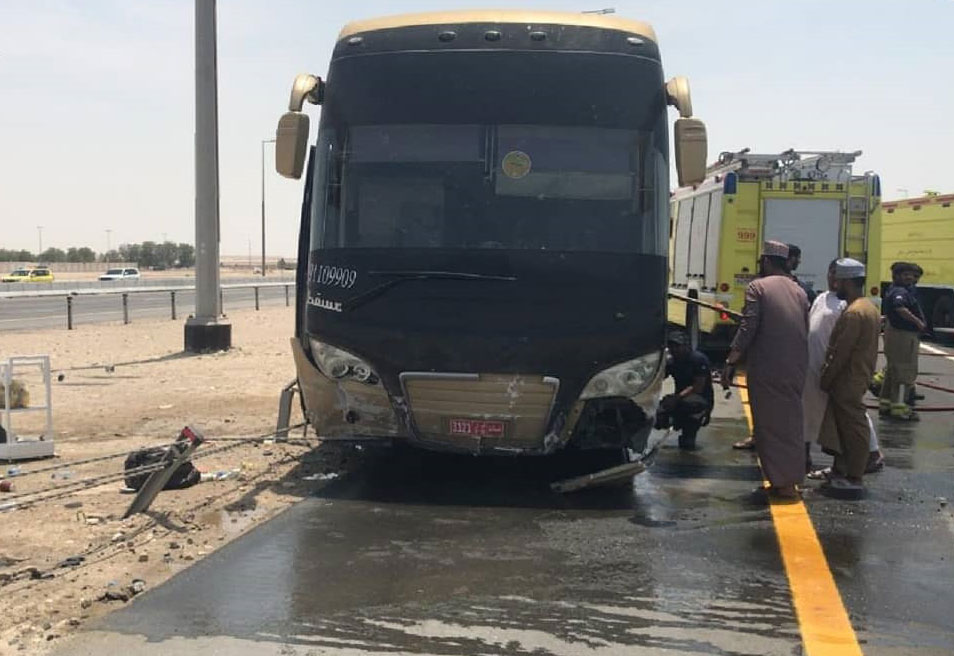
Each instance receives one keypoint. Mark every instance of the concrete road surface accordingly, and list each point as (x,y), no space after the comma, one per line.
(50,312)
(417,553)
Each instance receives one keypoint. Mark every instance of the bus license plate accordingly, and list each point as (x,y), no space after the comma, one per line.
(477,427)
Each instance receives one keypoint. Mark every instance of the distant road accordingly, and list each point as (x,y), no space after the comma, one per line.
(146,281)
(42,313)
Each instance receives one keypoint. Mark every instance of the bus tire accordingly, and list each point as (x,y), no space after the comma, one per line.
(942,315)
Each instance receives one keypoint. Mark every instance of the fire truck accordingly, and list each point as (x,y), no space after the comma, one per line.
(811,199)
(921,230)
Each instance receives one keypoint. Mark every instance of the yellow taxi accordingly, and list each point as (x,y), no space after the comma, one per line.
(17,275)
(40,275)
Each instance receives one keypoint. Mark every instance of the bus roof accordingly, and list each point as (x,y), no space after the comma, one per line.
(603,21)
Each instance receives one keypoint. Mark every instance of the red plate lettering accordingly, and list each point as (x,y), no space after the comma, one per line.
(477,427)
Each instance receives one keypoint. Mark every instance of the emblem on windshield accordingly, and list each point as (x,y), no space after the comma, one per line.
(516,164)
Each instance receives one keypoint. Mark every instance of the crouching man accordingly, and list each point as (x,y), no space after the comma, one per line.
(689,407)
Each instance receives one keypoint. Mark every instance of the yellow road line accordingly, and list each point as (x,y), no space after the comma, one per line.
(822,618)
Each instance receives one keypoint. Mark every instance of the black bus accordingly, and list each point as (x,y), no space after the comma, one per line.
(483,249)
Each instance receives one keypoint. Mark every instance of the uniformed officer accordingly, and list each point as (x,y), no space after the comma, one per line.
(794,260)
(689,407)
(904,325)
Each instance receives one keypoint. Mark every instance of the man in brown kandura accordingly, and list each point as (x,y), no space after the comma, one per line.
(773,340)
(849,364)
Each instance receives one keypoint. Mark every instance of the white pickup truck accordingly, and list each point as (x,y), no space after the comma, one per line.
(128,273)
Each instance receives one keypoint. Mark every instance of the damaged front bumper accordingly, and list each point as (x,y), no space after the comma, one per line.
(429,408)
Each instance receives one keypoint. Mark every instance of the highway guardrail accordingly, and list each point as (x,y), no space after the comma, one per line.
(124,292)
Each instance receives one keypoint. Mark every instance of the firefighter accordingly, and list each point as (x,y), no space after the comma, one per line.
(904,325)
(794,260)
(689,407)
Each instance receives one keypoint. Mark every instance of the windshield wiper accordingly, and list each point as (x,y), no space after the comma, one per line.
(398,277)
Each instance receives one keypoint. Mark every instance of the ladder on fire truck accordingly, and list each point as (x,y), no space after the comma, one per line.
(810,165)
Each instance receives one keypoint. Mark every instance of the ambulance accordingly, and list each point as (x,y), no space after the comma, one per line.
(921,230)
(811,199)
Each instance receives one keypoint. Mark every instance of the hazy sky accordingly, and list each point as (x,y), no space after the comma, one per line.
(96,100)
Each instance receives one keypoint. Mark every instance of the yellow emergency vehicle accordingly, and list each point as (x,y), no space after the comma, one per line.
(811,199)
(921,230)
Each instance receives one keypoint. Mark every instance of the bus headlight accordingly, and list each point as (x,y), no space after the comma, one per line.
(336,363)
(625,379)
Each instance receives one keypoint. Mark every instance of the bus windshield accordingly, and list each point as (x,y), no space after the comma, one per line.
(471,186)
(564,152)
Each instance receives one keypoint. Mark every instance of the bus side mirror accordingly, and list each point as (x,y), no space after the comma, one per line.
(291,144)
(678,96)
(690,146)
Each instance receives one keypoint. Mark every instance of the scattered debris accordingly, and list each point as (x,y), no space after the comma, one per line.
(72,561)
(221,475)
(330,476)
(617,475)
(7,561)
(125,593)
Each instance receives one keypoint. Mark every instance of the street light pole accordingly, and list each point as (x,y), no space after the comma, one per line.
(206,330)
(264,141)
(108,246)
(39,232)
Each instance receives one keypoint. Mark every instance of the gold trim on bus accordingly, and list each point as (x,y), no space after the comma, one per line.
(529,18)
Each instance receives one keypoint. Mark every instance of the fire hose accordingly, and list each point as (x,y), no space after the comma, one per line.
(869,406)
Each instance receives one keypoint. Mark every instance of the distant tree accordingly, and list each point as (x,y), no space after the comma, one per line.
(148,254)
(51,255)
(11,255)
(81,254)
(86,254)
(185,256)
(111,256)
(166,254)
(130,253)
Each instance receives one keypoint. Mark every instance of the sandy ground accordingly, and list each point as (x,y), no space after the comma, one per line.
(124,387)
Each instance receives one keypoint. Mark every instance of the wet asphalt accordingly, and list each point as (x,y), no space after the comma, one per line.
(423,553)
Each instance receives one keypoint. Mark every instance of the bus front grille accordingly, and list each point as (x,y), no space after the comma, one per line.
(481,411)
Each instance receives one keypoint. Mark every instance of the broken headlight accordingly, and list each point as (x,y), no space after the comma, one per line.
(625,379)
(338,364)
